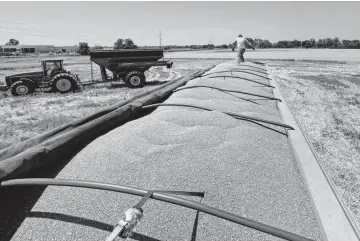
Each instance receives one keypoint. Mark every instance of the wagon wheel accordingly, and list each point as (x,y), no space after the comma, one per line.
(135,79)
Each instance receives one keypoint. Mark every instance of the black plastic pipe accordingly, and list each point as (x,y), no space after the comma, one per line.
(237,77)
(161,197)
(226,90)
(235,115)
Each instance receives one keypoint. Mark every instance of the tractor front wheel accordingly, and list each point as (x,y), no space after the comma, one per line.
(63,83)
(22,88)
(135,79)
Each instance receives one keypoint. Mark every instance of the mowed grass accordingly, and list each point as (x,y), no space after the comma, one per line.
(28,116)
(325,98)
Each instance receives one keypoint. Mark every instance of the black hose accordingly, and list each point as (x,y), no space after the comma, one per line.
(235,115)
(237,77)
(246,73)
(162,197)
(226,90)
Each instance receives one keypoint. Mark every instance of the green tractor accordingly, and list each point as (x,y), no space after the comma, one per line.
(52,78)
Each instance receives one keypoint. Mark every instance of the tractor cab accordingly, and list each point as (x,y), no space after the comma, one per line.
(52,67)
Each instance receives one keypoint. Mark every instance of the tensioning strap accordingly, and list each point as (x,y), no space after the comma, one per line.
(247,73)
(237,77)
(234,115)
(148,195)
(226,90)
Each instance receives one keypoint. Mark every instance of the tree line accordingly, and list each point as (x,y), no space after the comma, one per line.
(330,43)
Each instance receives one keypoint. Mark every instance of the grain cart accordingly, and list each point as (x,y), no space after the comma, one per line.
(128,65)
(53,77)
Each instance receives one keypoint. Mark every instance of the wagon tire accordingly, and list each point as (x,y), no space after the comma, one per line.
(63,83)
(135,79)
(22,88)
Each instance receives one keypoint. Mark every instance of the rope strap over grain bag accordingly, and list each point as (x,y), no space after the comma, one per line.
(234,115)
(226,90)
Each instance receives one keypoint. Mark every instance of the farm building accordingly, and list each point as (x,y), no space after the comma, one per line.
(27,48)
(66,49)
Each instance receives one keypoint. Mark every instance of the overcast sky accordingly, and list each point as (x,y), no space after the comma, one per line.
(182,23)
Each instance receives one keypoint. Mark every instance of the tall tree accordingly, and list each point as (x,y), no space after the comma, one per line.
(320,44)
(125,44)
(13,42)
(296,43)
(84,48)
(356,44)
(312,43)
(119,44)
(129,44)
(328,42)
(336,43)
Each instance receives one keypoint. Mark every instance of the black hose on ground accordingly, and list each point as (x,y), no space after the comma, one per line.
(161,197)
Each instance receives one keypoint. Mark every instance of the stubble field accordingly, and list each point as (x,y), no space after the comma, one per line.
(27,116)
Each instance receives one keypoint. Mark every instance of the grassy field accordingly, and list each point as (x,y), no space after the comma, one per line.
(25,117)
(325,98)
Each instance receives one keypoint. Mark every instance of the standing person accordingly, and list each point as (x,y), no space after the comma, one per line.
(241,45)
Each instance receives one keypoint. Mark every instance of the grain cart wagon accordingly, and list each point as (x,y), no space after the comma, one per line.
(53,78)
(128,65)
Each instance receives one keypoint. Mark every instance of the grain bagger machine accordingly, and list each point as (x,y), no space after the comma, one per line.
(128,65)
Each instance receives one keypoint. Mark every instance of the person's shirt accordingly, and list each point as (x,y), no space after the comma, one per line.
(241,43)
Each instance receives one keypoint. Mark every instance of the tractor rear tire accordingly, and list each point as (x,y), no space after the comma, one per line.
(135,79)
(63,83)
(22,88)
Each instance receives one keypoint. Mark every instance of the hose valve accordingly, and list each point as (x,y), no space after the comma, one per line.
(125,226)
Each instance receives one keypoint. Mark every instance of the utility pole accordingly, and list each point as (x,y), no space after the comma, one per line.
(160,37)
(210,40)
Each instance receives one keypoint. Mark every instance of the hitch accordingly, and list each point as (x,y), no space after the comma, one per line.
(4,88)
